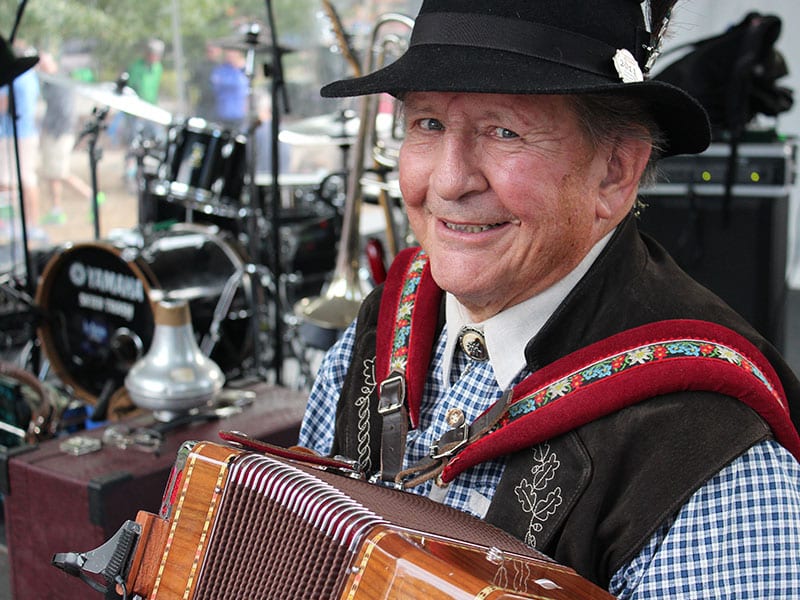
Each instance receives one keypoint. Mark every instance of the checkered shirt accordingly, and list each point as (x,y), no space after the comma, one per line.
(736,537)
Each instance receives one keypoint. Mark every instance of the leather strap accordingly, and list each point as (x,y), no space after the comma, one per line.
(394,429)
(452,442)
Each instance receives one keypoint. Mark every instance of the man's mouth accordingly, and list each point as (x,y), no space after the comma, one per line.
(470,228)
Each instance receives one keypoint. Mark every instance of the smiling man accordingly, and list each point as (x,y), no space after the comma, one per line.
(538,362)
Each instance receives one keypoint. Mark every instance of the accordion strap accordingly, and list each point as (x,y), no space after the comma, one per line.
(654,359)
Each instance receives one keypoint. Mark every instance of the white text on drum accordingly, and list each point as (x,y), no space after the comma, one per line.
(108,305)
(109,282)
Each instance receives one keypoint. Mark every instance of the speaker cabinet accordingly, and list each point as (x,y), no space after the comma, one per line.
(735,246)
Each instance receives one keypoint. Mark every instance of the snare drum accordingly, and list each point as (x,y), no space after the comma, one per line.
(96,300)
(204,168)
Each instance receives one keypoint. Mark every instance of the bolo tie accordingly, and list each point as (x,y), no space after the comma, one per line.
(473,343)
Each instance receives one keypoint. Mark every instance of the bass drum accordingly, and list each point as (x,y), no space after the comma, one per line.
(95,299)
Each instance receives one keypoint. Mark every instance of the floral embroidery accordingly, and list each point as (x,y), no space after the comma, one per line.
(629,359)
(402,329)
(533,494)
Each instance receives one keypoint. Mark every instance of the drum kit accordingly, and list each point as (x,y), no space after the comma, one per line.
(257,283)
(206,236)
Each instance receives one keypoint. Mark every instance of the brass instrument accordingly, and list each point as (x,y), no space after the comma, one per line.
(339,302)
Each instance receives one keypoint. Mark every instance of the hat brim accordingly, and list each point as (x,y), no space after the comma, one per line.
(442,68)
(17,67)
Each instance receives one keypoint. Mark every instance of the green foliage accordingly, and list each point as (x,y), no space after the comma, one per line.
(116,29)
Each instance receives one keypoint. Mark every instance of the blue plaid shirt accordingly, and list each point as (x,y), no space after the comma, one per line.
(736,537)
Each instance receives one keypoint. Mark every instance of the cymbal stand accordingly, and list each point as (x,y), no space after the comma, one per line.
(92,129)
(253,197)
(280,98)
(30,283)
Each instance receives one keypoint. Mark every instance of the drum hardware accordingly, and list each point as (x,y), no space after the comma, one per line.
(203,169)
(174,376)
(338,305)
(279,98)
(12,67)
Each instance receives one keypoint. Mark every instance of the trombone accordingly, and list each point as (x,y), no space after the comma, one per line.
(339,302)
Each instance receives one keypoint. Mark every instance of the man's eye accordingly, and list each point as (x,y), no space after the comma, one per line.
(431,124)
(504,133)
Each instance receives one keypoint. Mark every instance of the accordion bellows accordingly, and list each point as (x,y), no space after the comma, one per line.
(241,525)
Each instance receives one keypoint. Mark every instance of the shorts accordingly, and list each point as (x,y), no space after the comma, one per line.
(56,155)
(28,161)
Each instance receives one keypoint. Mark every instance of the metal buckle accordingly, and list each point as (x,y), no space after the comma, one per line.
(392,393)
(452,447)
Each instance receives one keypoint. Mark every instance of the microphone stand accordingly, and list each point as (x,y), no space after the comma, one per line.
(30,284)
(93,129)
(278,87)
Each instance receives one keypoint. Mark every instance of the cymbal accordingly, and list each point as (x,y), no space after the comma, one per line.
(125,101)
(245,44)
(339,128)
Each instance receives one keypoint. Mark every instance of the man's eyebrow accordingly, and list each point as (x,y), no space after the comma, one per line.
(417,104)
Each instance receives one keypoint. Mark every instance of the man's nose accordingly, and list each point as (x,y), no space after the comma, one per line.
(457,168)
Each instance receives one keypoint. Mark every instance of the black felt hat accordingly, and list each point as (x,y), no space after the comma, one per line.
(11,65)
(537,47)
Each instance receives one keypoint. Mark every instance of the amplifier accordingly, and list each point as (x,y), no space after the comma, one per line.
(762,169)
(735,244)
(57,498)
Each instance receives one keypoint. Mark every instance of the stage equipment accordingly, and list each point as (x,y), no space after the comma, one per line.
(174,377)
(324,130)
(204,168)
(55,497)
(338,305)
(26,418)
(244,525)
(120,97)
(96,301)
(11,67)
(732,239)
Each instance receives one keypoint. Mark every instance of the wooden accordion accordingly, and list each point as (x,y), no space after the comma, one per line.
(238,524)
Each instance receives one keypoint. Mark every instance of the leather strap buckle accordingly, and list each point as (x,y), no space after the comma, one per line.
(392,393)
(451,442)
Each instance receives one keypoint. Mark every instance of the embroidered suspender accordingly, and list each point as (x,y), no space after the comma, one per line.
(651,360)
(403,350)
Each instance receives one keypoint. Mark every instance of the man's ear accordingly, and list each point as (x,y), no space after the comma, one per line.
(624,168)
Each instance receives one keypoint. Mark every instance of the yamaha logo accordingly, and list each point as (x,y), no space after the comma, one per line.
(77,274)
(107,282)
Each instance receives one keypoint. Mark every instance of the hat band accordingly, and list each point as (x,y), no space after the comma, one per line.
(513,35)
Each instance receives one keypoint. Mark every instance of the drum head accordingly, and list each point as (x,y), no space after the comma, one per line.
(97,318)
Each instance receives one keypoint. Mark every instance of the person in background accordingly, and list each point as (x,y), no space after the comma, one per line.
(58,139)
(263,137)
(540,363)
(26,97)
(144,74)
(205,106)
(144,78)
(231,91)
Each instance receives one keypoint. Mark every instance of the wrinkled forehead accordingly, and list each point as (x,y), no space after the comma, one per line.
(532,103)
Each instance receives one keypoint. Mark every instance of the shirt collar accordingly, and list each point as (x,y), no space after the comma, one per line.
(508,332)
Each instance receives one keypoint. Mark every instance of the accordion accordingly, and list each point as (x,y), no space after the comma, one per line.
(239,524)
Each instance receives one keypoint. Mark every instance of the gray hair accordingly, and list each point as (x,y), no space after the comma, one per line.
(613,116)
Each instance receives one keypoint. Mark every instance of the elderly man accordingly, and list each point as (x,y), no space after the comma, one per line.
(539,363)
